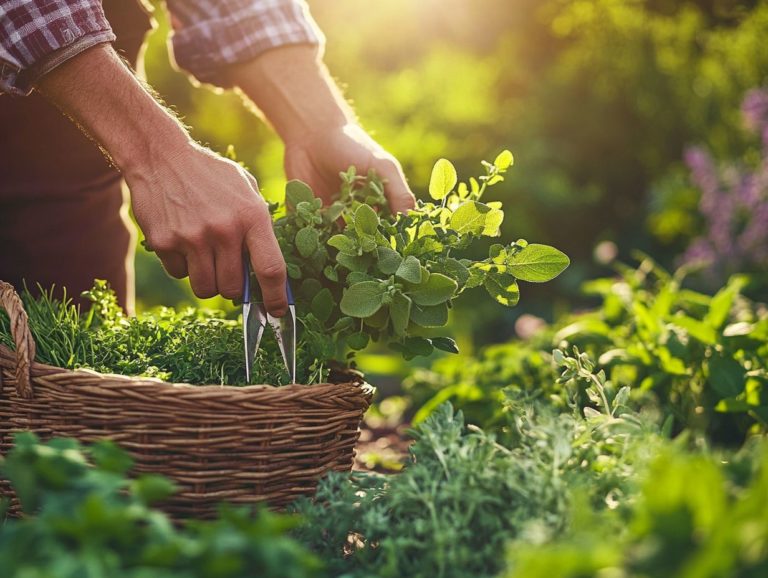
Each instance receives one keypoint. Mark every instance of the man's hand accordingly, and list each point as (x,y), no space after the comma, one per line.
(293,89)
(318,159)
(200,212)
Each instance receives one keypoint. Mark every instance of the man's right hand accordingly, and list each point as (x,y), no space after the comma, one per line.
(199,211)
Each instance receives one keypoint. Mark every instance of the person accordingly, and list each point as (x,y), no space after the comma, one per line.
(63,218)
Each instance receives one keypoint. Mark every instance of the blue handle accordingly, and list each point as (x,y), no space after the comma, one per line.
(246,280)
(247,284)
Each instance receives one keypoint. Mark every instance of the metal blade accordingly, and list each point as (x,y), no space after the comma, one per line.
(285,333)
(253,330)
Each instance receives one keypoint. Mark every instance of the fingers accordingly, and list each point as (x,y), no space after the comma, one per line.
(229,270)
(268,265)
(399,195)
(202,276)
(174,263)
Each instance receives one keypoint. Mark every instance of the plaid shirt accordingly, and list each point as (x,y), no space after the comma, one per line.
(38,35)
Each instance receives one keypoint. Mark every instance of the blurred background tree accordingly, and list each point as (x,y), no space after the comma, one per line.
(597,99)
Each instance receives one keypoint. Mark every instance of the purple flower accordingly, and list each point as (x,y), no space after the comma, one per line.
(754,109)
(734,201)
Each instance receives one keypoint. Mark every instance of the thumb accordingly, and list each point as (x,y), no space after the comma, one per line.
(398,193)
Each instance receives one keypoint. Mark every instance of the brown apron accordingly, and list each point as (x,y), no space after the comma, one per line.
(63,218)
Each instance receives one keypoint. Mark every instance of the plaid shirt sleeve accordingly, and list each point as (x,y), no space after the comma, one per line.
(209,34)
(38,35)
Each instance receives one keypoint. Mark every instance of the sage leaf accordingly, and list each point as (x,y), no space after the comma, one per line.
(343,244)
(366,221)
(537,263)
(445,344)
(493,220)
(389,260)
(363,299)
(297,192)
(358,341)
(503,289)
(470,217)
(322,305)
(430,315)
(443,179)
(307,241)
(400,313)
(504,160)
(410,270)
(436,289)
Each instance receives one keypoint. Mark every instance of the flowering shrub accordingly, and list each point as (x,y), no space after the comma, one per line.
(734,201)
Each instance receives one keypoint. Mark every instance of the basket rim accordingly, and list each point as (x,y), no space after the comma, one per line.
(44,370)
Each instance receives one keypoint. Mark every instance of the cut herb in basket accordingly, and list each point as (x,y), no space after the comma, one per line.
(359,274)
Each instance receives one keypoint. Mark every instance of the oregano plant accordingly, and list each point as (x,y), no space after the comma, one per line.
(359,274)
(362,274)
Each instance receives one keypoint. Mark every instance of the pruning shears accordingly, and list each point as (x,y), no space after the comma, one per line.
(256,318)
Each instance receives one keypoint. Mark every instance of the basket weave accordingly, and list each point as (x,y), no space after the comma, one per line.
(237,444)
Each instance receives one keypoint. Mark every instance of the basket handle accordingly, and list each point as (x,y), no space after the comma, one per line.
(25,344)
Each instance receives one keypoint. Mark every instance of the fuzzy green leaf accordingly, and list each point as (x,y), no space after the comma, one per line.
(443,179)
(430,315)
(493,220)
(307,241)
(331,273)
(353,262)
(400,313)
(455,269)
(503,289)
(297,192)
(537,263)
(358,341)
(363,299)
(343,244)
(410,270)
(470,217)
(445,344)
(504,160)
(414,346)
(322,305)
(366,220)
(389,260)
(433,290)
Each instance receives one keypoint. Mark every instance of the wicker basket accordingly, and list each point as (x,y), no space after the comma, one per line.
(237,444)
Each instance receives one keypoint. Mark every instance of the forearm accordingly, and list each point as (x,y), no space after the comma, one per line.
(198,211)
(102,95)
(293,89)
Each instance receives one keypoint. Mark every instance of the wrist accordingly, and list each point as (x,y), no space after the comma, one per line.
(293,89)
(147,151)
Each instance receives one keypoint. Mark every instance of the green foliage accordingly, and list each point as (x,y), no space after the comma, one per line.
(85,519)
(192,345)
(698,361)
(358,276)
(463,495)
(393,276)
(695,516)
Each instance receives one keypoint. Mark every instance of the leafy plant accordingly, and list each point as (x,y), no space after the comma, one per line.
(85,519)
(363,274)
(697,361)
(191,345)
(696,515)
(359,275)
(464,495)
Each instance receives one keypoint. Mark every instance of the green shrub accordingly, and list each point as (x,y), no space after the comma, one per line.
(85,519)
(699,361)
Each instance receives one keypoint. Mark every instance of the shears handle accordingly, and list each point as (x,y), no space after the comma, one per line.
(247,284)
